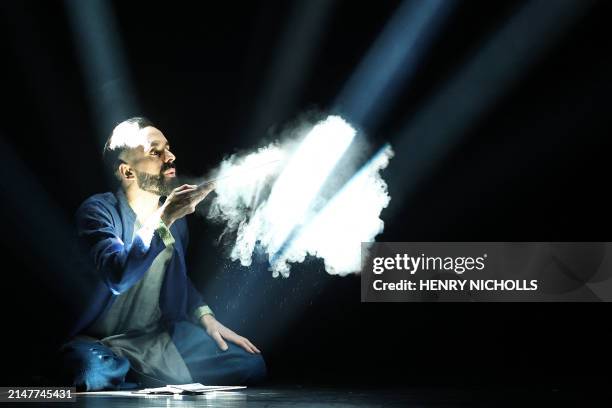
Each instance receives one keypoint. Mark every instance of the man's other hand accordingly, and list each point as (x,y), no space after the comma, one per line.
(220,334)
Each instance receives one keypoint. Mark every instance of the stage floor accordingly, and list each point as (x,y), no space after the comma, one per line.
(299,396)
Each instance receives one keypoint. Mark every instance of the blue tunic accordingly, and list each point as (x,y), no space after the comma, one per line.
(105,224)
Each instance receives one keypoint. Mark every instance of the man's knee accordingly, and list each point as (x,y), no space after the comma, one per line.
(254,369)
(237,367)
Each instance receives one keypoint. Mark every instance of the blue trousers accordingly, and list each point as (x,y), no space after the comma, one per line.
(91,366)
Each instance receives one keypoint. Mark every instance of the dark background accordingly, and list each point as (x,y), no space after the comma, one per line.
(534,168)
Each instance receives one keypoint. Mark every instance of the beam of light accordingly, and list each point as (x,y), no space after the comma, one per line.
(389,64)
(290,64)
(392,61)
(103,63)
(500,64)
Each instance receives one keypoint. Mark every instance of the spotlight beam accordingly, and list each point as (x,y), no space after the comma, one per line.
(392,61)
(502,62)
(290,65)
(495,69)
(99,47)
(388,65)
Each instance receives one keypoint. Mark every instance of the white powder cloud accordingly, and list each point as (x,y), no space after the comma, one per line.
(272,200)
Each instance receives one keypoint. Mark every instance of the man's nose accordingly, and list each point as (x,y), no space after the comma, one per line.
(169,157)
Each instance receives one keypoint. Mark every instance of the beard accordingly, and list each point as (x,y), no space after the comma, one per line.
(156,183)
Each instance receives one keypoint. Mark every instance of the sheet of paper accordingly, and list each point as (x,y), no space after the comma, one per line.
(193,388)
(171,389)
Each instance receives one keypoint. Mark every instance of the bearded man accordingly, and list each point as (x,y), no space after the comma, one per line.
(146,323)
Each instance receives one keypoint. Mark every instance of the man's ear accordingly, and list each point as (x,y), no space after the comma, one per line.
(126,172)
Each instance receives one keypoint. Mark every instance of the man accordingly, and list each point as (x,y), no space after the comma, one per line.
(145,309)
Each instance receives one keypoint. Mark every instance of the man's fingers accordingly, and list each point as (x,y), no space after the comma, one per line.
(186,191)
(220,342)
(207,186)
(234,338)
(245,345)
(184,187)
(238,340)
(253,346)
(198,192)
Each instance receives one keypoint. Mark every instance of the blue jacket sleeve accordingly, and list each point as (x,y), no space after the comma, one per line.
(195,304)
(120,264)
(194,298)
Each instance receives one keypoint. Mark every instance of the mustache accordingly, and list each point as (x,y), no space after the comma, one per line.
(167,166)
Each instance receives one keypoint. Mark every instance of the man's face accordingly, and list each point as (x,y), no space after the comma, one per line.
(153,162)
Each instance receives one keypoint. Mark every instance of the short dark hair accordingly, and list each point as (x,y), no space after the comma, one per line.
(110,155)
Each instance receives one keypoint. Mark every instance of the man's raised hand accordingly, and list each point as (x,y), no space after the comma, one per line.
(183,200)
